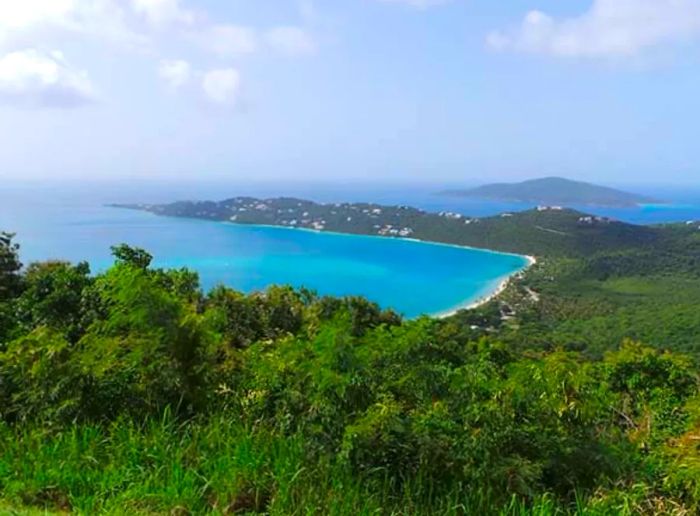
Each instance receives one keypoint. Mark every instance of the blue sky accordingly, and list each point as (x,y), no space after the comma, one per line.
(367,90)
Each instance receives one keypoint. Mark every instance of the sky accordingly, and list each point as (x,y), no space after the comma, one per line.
(365,90)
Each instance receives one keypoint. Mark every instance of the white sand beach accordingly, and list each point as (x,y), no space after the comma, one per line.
(502,285)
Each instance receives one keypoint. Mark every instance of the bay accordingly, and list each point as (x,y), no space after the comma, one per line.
(69,220)
(411,277)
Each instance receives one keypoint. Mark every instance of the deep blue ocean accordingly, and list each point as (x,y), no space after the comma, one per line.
(70,221)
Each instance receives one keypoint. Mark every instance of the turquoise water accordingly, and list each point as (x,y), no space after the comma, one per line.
(412,277)
(68,221)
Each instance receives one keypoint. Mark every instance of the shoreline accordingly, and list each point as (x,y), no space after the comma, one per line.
(367,235)
(501,287)
(467,305)
(470,304)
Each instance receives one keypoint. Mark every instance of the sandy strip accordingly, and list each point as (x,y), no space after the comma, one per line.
(502,285)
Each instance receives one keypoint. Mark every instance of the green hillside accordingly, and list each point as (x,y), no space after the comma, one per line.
(133,392)
(551,232)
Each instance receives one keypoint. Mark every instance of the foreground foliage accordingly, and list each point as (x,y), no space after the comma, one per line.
(133,392)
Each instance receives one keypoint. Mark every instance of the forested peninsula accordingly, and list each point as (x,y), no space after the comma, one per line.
(544,231)
(576,391)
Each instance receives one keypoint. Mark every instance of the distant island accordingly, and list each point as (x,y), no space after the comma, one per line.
(555,190)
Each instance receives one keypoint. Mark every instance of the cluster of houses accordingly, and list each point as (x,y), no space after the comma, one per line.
(372,212)
(450,215)
(318,225)
(590,219)
(458,216)
(389,230)
(304,219)
(295,217)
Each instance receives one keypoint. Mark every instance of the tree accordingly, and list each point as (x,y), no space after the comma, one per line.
(134,256)
(53,296)
(9,267)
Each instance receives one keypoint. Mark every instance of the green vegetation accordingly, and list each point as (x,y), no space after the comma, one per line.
(598,281)
(132,391)
(588,314)
(588,302)
(554,190)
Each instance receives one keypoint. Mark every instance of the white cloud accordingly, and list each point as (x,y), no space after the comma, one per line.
(176,73)
(222,86)
(228,40)
(151,26)
(105,19)
(163,12)
(24,21)
(609,29)
(290,41)
(237,40)
(418,4)
(34,78)
(25,13)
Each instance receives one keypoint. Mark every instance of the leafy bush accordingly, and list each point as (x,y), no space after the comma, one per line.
(134,391)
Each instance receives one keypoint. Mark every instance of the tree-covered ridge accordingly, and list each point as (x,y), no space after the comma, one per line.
(546,231)
(555,190)
(646,292)
(132,391)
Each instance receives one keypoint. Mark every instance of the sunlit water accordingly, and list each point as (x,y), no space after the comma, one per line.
(411,277)
(71,222)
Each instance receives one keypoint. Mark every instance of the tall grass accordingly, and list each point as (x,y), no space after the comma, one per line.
(217,466)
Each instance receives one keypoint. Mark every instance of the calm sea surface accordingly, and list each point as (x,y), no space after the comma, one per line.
(65,221)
